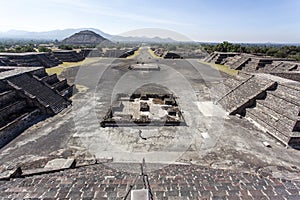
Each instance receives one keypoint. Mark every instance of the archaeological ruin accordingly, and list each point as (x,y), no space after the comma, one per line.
(69,55)
(143,109)
(178,126)
(29,95)
(30,59)
(266,91)
(166,54)
(282,67)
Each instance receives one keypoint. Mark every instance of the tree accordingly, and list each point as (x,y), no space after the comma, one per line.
(65,47)
(44,49)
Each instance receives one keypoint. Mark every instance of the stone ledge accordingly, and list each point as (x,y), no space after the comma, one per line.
(11,173)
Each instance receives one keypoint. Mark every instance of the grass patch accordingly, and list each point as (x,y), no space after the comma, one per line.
(65,65)
(55,70)
(222,68)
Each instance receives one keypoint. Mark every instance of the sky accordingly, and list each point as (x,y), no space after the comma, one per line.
(199,20)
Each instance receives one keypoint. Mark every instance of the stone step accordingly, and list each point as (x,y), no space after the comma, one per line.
(67,92)
(287,109)
(245,94)
(46,95)
(287,93)
(18,124)
(273,120)
(287,122)
(271,130)
(11,109)
(61,85)
(6,97)
(51,79)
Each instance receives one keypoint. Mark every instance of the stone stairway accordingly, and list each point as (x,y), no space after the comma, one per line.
(219,57)
(30,59)
(238,62)
(255,64)
(48,60)
(240,95)
(61,86)
(16,114)
(37,89)
(272,103)
(286,66)
(279,113)
(68,56)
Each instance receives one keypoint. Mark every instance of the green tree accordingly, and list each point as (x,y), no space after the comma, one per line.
(43,49)
(65,47)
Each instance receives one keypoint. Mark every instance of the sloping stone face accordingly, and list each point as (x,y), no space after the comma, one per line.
(30,59)
(171,182)
(29,95)
(273,105)
(85,38)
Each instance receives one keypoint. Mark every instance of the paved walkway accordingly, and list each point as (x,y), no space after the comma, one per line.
(172,182)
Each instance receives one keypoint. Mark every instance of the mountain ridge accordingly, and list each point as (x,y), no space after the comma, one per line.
(61,34)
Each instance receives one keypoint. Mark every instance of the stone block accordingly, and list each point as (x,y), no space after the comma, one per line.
(61,163)
(142,194)
(11,173)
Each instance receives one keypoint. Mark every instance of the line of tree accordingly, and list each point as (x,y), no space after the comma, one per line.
(18,49)
(271,50)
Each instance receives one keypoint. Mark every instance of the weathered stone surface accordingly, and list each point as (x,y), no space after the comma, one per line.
(61,163)
(171,182)
(142,194)
(30,59)
(85,38)
(11,173)
(27,96)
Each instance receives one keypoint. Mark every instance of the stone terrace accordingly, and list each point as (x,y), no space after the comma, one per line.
(28,95)
(68,55)
(270,101)
(30,59)
(172,182)
(253,63)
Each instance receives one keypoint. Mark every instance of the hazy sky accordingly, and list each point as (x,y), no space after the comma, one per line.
(200,20)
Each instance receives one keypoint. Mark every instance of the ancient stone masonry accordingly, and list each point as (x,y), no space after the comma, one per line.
(28,95)
(170,182)
(252,63)
(90,52)
(68,55)
(294,75)
(119,53)
(271,102)
(219,57)
(86,37)
(31,59)
(166,54)
(144,109)
(171,55)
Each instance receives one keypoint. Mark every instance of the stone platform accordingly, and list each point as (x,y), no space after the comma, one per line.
(172,182)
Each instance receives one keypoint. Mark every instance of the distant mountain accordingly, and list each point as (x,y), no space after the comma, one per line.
(85,37)
(118,38)
(48,35)
(62,34)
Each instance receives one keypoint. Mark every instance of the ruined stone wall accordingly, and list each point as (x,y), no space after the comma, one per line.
(295,76)
(12,130)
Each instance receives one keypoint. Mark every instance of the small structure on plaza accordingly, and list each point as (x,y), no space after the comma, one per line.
(144,108)
(144,67)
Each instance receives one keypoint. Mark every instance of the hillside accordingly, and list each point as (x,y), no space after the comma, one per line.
(85,37)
